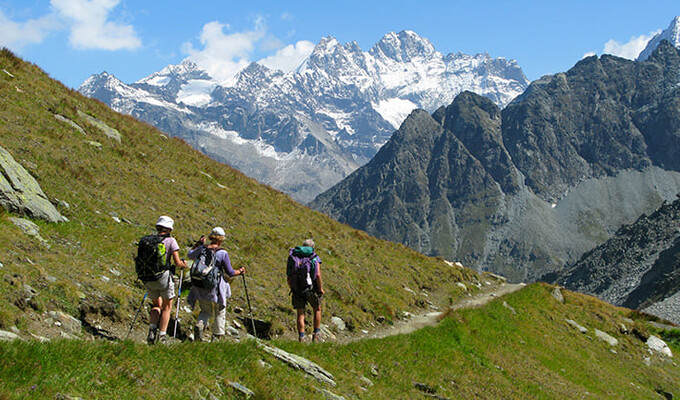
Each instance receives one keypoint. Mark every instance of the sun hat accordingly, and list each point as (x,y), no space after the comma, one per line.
(218,231)
(165,222)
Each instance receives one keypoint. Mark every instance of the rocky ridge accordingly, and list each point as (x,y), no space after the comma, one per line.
(637,268)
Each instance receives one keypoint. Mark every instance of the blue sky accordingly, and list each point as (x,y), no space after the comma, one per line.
(73,39)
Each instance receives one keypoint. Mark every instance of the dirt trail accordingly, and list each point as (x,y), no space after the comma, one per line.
(427,319)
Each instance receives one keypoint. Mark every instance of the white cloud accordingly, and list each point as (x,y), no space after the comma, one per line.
(15,35)
(588,54)
(223,55)
(86,20)
(290,57)
(91,28)
(629,50)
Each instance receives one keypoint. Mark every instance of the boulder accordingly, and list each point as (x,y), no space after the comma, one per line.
(8,336)
(557,295)
(107,130)
(338,323)
(242,389)
(301,363)
(655,343)
(29,228)
(68,323)
(328,395)
(75,126)
(576,325)
(606,337)
(21,193)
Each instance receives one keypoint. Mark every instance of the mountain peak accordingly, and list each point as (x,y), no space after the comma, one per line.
(672,34)
(185,70)
(403,46)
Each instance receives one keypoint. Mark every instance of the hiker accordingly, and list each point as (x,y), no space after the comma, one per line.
(210,287)
(303,272)
(159,285)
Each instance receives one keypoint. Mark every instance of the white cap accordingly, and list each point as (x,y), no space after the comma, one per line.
(165,222)
(218,231)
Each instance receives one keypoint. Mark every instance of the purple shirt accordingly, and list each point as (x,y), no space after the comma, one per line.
(221,292)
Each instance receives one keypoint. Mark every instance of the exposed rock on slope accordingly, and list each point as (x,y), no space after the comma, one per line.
(529,189)
(639,267)
(20,193)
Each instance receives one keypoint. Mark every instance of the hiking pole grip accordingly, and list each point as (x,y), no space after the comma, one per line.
(250,309)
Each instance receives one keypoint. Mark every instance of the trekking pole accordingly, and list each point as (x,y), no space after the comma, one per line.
(179,299)
(250,310)
(136,314)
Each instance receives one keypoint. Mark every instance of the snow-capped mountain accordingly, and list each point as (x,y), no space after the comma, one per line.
(672,34)
(303,131)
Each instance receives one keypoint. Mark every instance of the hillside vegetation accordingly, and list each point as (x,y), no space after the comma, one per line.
(112,193)
(517,347)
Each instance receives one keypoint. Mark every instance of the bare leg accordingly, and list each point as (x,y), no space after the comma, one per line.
(166,308)
(155,311)
(317,318)
(301,323)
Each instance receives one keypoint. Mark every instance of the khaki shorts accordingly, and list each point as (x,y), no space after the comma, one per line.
(164,287)
(310,297)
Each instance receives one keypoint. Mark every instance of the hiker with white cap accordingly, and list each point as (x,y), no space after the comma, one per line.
(153,262)
(210,286)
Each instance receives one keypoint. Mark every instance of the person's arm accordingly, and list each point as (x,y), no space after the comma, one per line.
(228,269)
(319,282)
(178,261)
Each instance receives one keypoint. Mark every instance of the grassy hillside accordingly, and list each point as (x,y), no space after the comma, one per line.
(517,347)
(115,193)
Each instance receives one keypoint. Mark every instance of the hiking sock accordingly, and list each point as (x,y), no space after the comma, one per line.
(315,335)
(301,336)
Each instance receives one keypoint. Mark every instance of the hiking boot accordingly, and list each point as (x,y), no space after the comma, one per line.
(163,339)
(198,333)
(316,337)
(151,338)
(217,338)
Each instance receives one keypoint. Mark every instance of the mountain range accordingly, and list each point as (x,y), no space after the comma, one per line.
(528,189)
(327,118)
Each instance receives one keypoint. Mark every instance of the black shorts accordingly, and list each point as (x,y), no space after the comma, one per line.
(310,297)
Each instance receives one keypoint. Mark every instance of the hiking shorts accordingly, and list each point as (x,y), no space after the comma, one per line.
(310,297)
(164,287)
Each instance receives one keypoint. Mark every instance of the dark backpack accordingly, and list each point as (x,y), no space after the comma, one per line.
(301,269)
(204,273)
(150,262)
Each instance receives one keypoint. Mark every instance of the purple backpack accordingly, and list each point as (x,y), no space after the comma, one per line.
(301,268)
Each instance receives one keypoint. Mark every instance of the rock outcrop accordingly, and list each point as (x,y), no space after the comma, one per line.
(20,193)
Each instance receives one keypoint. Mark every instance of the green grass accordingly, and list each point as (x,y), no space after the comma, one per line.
(482,353)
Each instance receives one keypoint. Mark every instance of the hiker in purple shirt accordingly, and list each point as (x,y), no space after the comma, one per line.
(303,271)
(212,300)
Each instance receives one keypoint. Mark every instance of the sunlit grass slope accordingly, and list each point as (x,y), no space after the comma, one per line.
(517,347)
